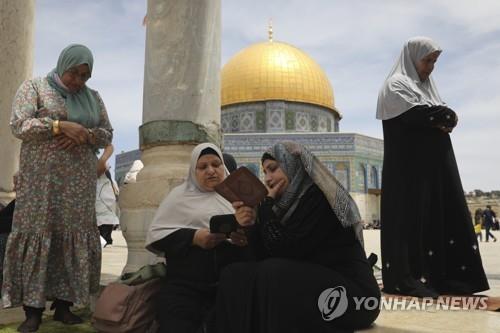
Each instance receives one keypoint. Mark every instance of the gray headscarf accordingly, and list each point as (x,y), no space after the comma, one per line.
(83,107)
(402,90)
(304,169)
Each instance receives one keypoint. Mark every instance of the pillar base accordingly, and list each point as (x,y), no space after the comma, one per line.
(165,167)
(6,197)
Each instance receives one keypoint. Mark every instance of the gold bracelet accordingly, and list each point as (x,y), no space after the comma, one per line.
(91,137)
(55,128)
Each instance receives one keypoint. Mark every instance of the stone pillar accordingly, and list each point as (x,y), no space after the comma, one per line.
(181,109)
(16,65)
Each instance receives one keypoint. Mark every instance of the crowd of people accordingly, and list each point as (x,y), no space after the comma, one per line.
(291,260)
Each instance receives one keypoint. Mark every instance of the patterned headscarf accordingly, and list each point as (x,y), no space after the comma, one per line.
(303,169)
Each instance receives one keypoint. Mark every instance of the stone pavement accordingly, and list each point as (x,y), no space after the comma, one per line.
(389,321)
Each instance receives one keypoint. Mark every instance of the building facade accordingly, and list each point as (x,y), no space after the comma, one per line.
(273,91)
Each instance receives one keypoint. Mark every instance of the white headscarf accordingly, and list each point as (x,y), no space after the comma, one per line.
(402,90)
(188,205)
(131,176)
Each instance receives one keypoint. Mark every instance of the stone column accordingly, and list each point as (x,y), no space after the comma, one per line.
(16,64)
(181,109)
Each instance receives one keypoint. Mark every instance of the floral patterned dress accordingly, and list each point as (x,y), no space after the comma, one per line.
(54,248)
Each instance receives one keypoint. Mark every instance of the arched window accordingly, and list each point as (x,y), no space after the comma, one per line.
(342,174)
(374,178)
(364,177)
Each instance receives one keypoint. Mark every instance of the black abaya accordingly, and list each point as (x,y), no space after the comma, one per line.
(279,293)
(187,297)
(427,235)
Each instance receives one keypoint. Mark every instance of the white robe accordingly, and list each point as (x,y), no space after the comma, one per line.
(106,207)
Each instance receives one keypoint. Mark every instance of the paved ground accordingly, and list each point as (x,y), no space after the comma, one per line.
(389,321)
(434,320)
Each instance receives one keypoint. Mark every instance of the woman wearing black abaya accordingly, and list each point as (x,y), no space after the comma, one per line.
(308,240)
(428,243)
(180,232)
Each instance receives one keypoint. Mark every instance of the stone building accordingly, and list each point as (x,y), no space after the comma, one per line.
(273,91)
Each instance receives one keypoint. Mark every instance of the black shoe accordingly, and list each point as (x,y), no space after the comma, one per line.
(32,321)
(414,288)
(63,313)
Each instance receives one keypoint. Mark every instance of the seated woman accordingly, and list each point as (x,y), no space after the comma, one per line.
(308,237)
(194,256)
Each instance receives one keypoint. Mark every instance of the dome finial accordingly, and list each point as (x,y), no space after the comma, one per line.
(270,30)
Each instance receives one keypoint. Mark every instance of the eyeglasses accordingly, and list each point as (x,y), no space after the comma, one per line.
(75,74)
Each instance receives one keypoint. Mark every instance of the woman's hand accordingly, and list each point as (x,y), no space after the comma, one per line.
(63,142)
(101,167)
(74,131)
(244,215)
(239,238)
(206,240)
(273,192)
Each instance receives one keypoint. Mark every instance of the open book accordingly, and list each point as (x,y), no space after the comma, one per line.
(242,185)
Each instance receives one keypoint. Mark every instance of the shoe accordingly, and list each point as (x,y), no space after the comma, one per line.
(63,313)
(32,321)
(412,287)
(108,245)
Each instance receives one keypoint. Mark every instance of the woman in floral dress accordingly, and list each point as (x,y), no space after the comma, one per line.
(53,251)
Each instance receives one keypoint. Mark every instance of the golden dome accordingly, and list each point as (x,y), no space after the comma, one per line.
(275,71)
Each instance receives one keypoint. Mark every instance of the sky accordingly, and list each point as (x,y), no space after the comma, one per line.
(355,42)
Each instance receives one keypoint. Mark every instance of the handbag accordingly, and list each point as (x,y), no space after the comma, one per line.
(128,306)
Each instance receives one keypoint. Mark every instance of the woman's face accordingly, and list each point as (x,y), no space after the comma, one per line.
(425,66)
(273,175)
(75,77)
(209,172)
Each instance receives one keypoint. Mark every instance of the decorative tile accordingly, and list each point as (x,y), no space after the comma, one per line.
(314,123)
(260,119)
(301,122)
(275,121)
(235,122)
(290,120)
(226,123)
(247,122)
(322,124)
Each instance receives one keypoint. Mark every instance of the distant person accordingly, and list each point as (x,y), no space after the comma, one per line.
(54,250)
(230,162)
(131,176)
(106,198)
(427,237)
(477,230)
(478,216)
(489,217)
